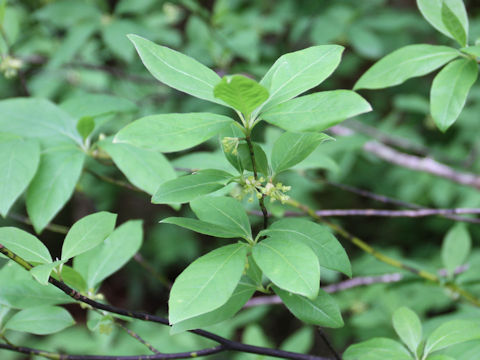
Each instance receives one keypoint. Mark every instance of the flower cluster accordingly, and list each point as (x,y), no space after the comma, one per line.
(230,145)
(255,188)
(9,66)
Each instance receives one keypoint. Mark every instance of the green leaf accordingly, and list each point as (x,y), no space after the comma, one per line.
(202,227)
(453,25)
(450,90)
(19,159)
(289,264)
(321,311)
(37,118)
(408,327)
(53,184)
(95,105)
(41,273)
(207,283)
(291,148)
(177,70)
(224,211)
(317,111)
(41,320)
(243,158)
(186,188)
(172,132)
(405,63)
(432,12)
(300,341)
(87,233)
(240,92)
(21,294)
(456,247)
(85,126)
(377,349)
(440,357)
(146,169)
(326,247)
(240,296)
(451,333)
(472,50)
(24,245)
(115,252)
(299,71)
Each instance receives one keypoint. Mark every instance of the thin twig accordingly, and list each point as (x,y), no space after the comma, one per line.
(329,344)
(60,229)
(225,344)
(162,279)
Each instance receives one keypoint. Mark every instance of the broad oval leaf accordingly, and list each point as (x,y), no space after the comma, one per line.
(450,90)
(289,264)
(37,118)
(24,245)
(53,184)
(456,247)
(224,211)
(321,311)
(240,296)
(117,249)
(87,233)
(317,111)
(201,227)
(172,132)
(299,71)
(432,12)
(146,169)
(408,327)
(453,24)
(291,148)
(23,294)
(188,187)
(241,93)
(377,349)
(177,70)
(451,333)
(40,320)
(405,63)
(19,159)
(207,283)
(326,247)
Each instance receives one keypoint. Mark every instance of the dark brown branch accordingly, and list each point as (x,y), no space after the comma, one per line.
(226,344)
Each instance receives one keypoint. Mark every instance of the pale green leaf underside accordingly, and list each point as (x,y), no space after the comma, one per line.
(408,327)
(317,111)
(454,25)
(146,169)
(326,247)
(177,70)
(87,233)
(377,349)
(189,187)
(202,227)
(405,63)
(432,12)
(117,249)
(224,211)
(299,71)
(450,90)
(24,245)
(40,320)
(207,283)
(53,184)
(451,333)
(292,148)
(19,159)
(289,264)
(321,311)
(456,247)
(172,132)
